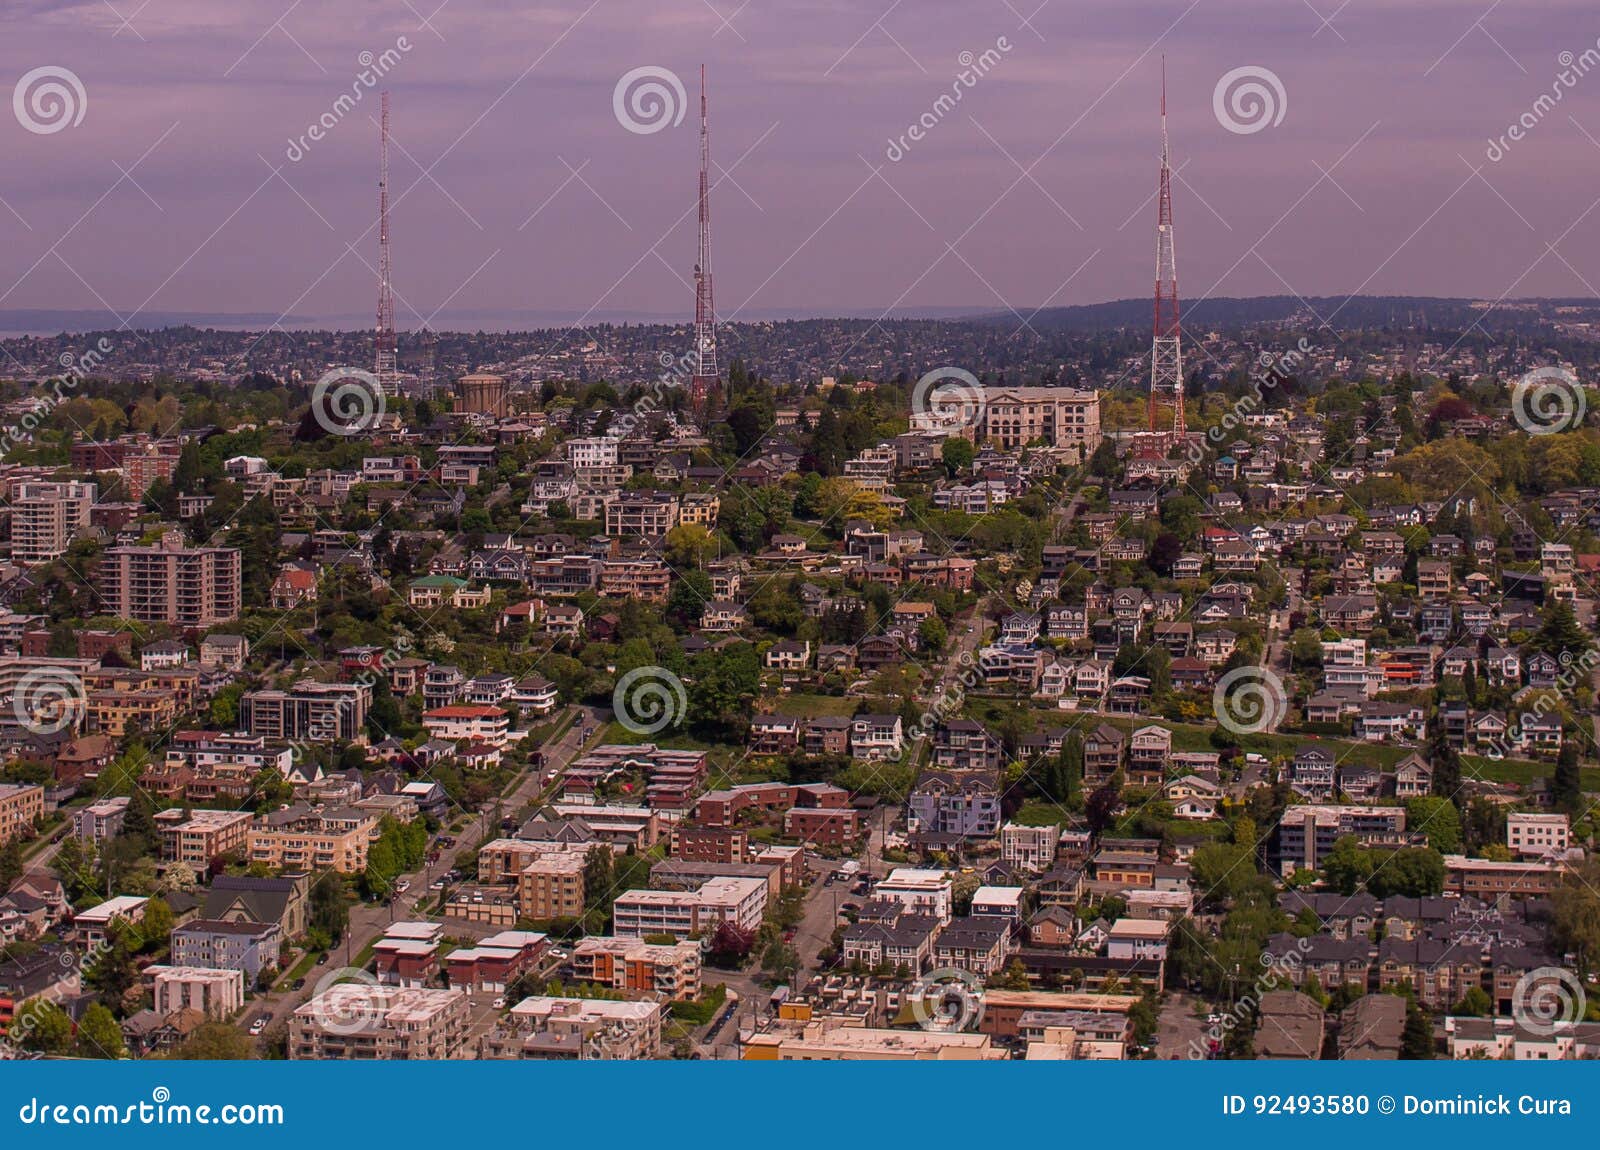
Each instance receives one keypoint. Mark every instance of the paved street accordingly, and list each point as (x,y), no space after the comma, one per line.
(1178,1029)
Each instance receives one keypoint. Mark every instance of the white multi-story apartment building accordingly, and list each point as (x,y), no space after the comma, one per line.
(1534,835)
(598,451)
(1032,848)
(399,1023)
(681,913)
(213,992)
(920,890)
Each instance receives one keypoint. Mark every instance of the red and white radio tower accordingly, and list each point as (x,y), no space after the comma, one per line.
(386,356)
(704,381)
(1166,351)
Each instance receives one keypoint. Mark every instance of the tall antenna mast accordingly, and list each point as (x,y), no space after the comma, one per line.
(386,358)
(1166,352)
(704,381)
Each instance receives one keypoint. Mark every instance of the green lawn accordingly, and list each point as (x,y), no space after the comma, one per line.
(299,970)
(815,706)
(1517,771)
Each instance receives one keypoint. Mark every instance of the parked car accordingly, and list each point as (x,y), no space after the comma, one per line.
(258,1026)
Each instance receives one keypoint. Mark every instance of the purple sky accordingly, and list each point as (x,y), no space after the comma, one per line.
(501,102)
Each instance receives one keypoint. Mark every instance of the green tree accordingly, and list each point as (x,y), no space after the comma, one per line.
(1560,634)
(957,455)
(1014,977)
(1475,1003)
(1566,788)
(11,863)
(99,1036)
(1222,870)
(215,1042)
(780,962)
(1446,767)
(599,879)
(1347,866)
(44,1027)
(688,545)
(1575,914)
(1414,871)
(1437,818)
(1305,648)
(1416,1040)
(330,907)
(156,927)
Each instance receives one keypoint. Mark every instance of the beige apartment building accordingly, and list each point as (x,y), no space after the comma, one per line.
(46,516)
(398,1024)
(551,886)
(202,835)
(319,712)
(568,1029)
(650,514)
(173,583)
(20,808)
(1058,416)
(299,838)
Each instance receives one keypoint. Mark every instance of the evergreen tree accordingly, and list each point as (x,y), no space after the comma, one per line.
(1416,1041)
(1566,789)
(1446,768)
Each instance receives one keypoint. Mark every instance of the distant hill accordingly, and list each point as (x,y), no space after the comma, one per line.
(1360,312)
(1349,314)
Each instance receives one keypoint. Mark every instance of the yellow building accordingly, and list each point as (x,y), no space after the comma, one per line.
(21,807)
(551,886)
(115,713)
(300,838)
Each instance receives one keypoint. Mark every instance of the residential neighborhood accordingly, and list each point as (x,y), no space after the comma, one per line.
(523,736)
